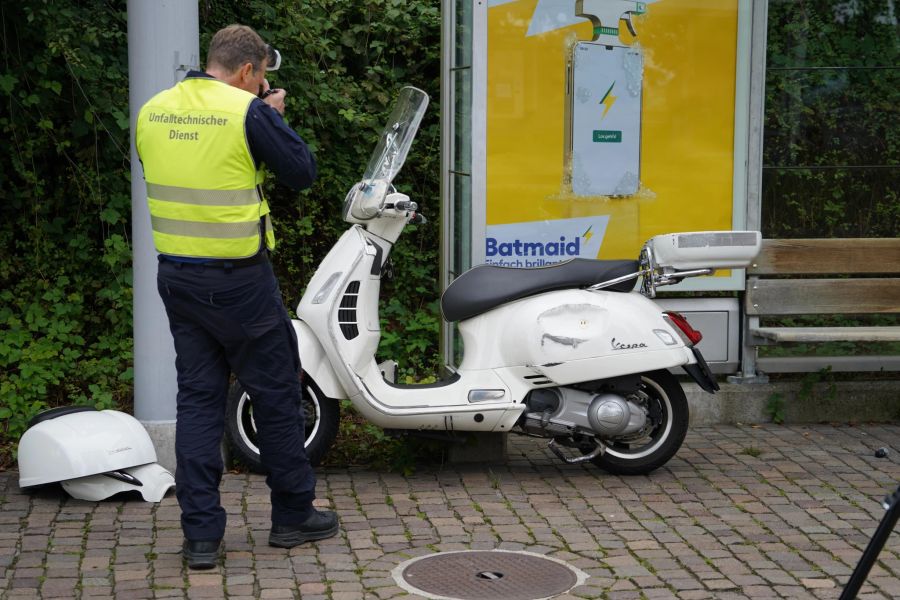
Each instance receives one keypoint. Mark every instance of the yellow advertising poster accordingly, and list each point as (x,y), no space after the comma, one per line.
(608,122)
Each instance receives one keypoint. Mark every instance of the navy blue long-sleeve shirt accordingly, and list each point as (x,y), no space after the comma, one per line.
(275,145)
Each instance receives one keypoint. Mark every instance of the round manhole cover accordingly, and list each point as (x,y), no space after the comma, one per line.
(487,575)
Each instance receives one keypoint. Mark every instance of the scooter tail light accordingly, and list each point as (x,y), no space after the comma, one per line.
(690,335)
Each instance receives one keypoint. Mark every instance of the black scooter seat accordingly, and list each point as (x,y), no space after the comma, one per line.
(485,287)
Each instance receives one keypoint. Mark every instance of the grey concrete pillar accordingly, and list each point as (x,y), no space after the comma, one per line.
(163,43)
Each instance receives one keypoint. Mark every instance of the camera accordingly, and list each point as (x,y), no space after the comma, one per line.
(273,63)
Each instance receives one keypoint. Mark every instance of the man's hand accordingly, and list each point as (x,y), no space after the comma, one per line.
(273,97)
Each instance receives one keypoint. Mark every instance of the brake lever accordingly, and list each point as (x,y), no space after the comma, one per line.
(387,270)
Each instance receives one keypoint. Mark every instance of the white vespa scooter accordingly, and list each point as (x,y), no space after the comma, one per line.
(567,352)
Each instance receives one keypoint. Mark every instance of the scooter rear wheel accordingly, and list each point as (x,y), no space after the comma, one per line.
(661,394)
(320,417)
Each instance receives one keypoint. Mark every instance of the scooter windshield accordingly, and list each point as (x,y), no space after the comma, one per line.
(397,137)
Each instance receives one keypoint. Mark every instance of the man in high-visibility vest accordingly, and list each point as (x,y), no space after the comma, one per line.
(203,144)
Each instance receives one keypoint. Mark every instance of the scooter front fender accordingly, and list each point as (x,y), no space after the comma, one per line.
(315,363)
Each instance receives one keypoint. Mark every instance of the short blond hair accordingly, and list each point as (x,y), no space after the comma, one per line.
(234,46)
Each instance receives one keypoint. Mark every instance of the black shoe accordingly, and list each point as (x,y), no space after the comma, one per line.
(321,524)
(200,555)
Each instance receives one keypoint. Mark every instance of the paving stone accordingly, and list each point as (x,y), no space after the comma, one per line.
(713,523)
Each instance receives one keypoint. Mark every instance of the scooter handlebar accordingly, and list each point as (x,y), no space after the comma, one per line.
(402,205)
(409,206)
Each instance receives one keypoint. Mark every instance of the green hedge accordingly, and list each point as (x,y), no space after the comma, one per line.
(65,255)
(832,126)
(65,195)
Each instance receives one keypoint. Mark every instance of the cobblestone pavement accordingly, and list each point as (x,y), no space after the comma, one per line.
(741,512)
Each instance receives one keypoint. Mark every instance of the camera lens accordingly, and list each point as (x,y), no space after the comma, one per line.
(273,57)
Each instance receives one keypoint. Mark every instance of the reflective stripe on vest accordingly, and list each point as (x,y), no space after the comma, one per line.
(171,193)
(207,230)
(203,188)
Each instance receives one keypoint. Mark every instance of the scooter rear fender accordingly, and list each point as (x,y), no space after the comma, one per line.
(573,335)
(315,363)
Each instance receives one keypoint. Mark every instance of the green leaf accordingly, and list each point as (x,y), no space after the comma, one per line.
(110,215)
(7,83)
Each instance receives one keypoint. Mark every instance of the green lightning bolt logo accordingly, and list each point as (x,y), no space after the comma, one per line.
(608,100)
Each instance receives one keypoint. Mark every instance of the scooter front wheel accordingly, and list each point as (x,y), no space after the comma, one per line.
(320,419)
(661,395)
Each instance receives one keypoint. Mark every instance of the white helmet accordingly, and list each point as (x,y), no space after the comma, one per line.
(93,454)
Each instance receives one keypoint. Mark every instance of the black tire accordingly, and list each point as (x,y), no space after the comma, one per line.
(321,416)
(661,393)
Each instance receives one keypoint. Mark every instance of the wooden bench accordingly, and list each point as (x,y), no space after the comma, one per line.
(820,277)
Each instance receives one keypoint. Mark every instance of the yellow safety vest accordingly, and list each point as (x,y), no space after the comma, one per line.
(203,189)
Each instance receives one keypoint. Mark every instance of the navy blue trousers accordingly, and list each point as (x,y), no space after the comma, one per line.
(224,321)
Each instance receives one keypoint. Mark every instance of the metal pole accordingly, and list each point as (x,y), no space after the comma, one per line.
(748,372)
(163,43)
(448,46)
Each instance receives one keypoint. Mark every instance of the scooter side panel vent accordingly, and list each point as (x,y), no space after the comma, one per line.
(539,379)
(347,311)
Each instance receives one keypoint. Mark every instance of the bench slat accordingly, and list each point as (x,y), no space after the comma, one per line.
(827,257)
(809,364)
(822,296)
(829,334)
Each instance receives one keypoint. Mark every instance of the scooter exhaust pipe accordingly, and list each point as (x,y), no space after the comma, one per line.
(598,451)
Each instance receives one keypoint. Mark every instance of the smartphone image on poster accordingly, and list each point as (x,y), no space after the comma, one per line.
(603,119)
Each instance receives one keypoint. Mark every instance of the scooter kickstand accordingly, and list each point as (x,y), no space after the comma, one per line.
(598,451)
